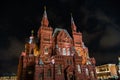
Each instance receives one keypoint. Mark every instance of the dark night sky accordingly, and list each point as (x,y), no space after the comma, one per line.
(98,20)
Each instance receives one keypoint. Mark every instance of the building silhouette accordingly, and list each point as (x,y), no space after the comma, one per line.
(56,55)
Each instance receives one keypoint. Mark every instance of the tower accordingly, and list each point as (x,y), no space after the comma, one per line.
(78,43)
(45,36)
(31,46)
(27,58)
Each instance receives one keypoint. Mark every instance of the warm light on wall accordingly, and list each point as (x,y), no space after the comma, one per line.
(106,71)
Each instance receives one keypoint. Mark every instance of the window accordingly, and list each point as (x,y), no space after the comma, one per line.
(49,73)
(59,69)
(29,72)
(78,68)
(87,72)
(41,76)
(69,61)
(46,39)
(56,46)
(64,51)
(46,50)
(77,42)
(92,74)
(78,52)
(40,62)
(68,51)
(60,51)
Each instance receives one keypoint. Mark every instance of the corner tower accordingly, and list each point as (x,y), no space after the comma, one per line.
(78,43)
(45,36)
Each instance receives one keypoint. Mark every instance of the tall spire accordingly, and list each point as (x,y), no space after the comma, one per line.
(73,26)
(31,39)
(32,32)
(44,21)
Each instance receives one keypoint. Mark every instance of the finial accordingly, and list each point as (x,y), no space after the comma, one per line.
(71,17)
(44,21)
(72,23)
(32,32)
(45,8)
(71,14)
(45,13)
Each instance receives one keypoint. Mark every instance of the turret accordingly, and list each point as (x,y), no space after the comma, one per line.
(30,46)
(45,36)
(44,21)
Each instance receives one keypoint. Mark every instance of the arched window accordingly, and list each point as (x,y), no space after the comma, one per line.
(46,50)
(78,68)
(92,74)
(64,51)
(87,72)
(78,52)
(41,76)
(41,62)
(56,45)
(59,69)
(68,51)
(60,50)
(49,73)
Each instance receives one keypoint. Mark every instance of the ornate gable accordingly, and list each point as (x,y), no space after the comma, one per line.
(62,38)
(62,41)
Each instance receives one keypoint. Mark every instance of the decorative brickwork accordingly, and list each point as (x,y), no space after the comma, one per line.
(56,56)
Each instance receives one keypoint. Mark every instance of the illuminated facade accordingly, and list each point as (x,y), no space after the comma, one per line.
(106,71)
(8,77)
(56,55)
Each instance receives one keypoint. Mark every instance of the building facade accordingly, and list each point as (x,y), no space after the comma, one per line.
(8,77)
(56,55)
(107,71)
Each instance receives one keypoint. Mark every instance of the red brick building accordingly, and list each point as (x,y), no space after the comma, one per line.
(56,56)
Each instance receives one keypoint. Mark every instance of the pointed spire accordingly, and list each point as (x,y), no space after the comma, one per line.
(44,21)
(73,26)
(32,32)
(31,40)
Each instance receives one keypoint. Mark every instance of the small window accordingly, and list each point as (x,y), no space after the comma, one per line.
(59,69)
(78,68)
(49,73)
(46,39)
(87,72)
(78,52)
(29,72)
(69,61)
(56,46)
(46,50)
(41,76)
(41,62)
(92,74)
(64,51)
(59,50)
(68,51)
(77,42)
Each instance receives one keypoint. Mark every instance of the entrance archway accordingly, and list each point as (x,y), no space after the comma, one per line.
(69,73)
